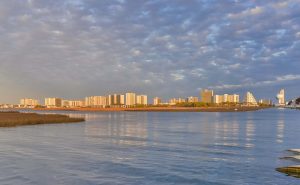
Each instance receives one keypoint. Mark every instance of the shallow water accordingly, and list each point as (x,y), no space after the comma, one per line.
(153,148)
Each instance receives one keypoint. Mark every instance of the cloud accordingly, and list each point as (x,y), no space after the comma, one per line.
(75,48)
(277,80)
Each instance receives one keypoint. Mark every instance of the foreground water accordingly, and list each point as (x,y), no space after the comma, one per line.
(153,148)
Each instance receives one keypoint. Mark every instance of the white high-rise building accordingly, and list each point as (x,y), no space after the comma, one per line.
(250,99)
(142,99)
(227,98)
(281,97)
(28,102)
(96,101)
(53,102)
(156,101)
(115,100)
(130,99)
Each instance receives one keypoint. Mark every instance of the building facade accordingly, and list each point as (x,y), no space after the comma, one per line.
(156,101)
(227,98)
(96,101)
(250,99)
(142,99)
(281,97)
(53,102)
(207,96)
(116,100)
(130,99)
(192,99)
(28,102)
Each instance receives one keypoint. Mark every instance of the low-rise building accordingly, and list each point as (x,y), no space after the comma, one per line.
(192,99)
(72,103)
(265,102)
(174,101)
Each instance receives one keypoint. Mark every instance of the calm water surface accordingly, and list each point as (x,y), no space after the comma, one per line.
(153,148)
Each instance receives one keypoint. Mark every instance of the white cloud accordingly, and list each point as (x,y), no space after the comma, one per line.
(277,80)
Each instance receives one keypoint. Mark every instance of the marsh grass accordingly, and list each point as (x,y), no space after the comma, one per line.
(13,119)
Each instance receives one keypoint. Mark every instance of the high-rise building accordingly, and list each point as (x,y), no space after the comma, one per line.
(227,98)
(53,102)
(192,99)
(28,102)
(96,101)
(218,99)
(250,99)
(233,98)
(115,100)
(207,96)
(141,99)
(281,97)
(130,99)
(156,101)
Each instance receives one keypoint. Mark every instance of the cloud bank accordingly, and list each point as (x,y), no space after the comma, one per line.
(77,48)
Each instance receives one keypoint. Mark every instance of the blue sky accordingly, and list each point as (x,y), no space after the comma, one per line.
(166,48)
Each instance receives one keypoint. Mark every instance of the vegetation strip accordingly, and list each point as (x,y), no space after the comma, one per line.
(13,119)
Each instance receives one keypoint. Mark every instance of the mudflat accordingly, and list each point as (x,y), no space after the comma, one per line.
(13,119)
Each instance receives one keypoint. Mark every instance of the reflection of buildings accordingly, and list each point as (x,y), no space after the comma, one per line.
(280,130)
(120,128)
(250,133)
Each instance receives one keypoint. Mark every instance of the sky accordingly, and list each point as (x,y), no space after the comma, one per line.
(165,48)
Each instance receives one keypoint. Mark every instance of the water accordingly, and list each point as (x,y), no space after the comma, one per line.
(153,148)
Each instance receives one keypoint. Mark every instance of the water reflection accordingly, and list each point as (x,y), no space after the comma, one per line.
(250,132)
(280,129)
(227,132)
(121,128)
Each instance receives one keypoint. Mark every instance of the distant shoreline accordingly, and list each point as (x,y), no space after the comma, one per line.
(158,109)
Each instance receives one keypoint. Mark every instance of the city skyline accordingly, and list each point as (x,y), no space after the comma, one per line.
(132,99)
(162,48)
(205,96)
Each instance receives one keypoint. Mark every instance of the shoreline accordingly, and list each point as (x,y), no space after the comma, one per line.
(158,109)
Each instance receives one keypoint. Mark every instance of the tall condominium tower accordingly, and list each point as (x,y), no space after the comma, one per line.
(53,102)
(207,96)
(130,99)
(250,99)
(142,99)
(281,97)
